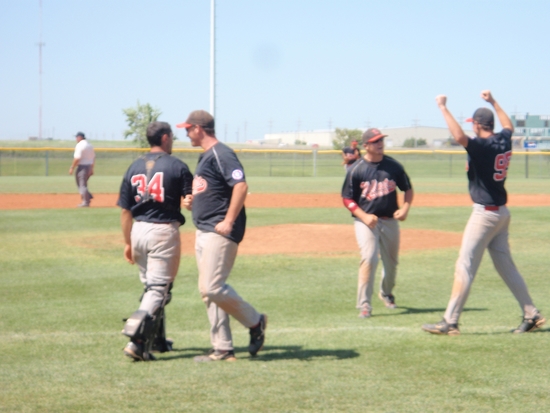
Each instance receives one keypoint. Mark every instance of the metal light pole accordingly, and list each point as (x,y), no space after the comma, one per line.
(212,57)
(40,45)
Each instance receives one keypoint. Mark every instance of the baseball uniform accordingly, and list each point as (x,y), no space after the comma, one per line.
(487,228)
(489,156)
(84,152)
(154,197)
(218,171)
(372,187)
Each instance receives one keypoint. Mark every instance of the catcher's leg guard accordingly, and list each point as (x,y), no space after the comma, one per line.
(140,326)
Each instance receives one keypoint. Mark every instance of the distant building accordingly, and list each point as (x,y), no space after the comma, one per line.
(533,130)
(434,137)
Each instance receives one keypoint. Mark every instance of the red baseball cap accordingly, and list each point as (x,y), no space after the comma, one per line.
(372,135)
(200,118)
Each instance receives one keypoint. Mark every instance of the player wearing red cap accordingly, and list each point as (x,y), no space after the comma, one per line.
(369,192)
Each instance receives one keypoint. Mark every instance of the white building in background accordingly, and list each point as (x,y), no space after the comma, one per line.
(323,138)
(434,137)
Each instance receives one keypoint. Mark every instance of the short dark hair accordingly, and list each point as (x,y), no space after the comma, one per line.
(155,131)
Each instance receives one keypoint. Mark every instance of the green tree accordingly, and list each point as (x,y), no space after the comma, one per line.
(345,136)
(137,119)
(414,142)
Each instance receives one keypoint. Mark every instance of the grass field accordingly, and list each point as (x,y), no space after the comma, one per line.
(65,289)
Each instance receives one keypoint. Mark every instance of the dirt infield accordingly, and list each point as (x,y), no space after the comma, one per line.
(46,201)
(311,239)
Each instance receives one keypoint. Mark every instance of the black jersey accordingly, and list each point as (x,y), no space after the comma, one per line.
(352,151)
(488,161)
(372,185)
(156,197)
(218,171)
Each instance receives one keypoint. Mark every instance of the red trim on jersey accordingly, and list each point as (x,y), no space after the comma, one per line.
(350,204)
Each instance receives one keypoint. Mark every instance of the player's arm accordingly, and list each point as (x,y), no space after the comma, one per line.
(370,220)
(401,213)
(75,163)
(237,202)
(503,118)
(126,222)
(455,129)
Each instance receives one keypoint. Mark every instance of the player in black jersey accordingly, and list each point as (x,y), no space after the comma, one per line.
(369,192)
(489,155)
(150,197)
(219,191)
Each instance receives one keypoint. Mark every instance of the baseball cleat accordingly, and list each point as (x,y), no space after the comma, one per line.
(136,352)
(530,324)
(442,328)
(257,336)
(388,300)
(216,355)
(365,313)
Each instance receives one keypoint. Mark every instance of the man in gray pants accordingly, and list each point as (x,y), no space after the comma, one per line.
(489,155)
(83,161)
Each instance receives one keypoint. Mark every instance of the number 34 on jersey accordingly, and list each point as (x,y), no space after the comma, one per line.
(153,190)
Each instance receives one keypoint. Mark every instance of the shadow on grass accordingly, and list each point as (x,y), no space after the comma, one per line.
(402,310)
(491,333)
(269,353)
(277,353)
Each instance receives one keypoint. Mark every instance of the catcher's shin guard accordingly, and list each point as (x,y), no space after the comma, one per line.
(140,326)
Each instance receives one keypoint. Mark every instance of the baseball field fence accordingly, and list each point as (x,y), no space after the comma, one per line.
(265,162)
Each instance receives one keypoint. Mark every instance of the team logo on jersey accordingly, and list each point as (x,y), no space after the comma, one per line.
(374,189)
(199,184)
(237,175)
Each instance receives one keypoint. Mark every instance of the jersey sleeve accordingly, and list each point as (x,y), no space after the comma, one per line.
(232,169)
(347,187)
(78,151)
(403,181)
(125,197)
(186,181)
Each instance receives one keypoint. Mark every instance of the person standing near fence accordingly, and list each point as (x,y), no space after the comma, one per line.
(350,154)
(219,192)
(489,156)
(83,161)
(369,192)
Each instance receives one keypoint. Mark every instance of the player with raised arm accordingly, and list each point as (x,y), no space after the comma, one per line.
(489,155)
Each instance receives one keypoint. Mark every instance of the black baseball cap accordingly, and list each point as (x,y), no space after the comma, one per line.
(80,134)
(198,117)
(484,117)
(372,135)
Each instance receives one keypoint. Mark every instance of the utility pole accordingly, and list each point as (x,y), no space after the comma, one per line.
(40,45)
(415,124)
(213,57)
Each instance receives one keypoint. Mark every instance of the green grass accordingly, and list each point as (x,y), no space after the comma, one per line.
(65,289)
(259,184)
(111,162)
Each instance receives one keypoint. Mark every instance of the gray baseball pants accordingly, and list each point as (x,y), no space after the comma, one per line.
(486,230)
(156,249)
(83,173)
(381,241)
(215,258)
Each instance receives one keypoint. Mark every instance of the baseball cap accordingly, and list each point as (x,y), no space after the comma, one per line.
(372,135)
(80,134)
(483,116)
(200,118)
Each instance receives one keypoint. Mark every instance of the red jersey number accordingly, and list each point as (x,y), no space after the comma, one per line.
(502,161)
(155,187)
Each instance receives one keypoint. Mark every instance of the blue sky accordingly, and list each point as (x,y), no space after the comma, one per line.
(281,65)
